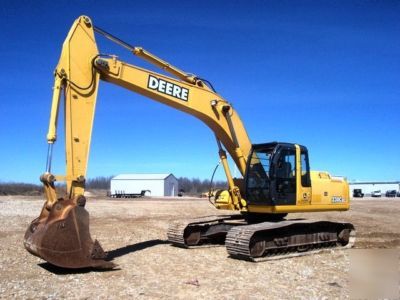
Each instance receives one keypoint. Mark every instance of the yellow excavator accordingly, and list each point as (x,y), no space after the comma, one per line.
(275,177)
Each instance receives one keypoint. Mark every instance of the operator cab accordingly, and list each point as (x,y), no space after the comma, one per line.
(271,175)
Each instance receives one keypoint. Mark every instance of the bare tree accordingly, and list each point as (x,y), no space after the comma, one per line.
(99,183)
(19,188)
(198,186)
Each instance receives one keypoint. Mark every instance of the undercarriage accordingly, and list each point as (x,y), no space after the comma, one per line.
(264,240)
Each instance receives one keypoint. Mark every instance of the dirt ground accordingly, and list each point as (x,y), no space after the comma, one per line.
(134,233)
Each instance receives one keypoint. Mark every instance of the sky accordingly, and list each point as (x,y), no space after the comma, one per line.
(324,74)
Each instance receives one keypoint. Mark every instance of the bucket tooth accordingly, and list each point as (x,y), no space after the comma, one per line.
(61,237)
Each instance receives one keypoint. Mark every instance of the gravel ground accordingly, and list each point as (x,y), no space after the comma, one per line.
(134,232)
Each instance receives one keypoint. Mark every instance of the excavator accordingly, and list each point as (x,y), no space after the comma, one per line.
(275,177)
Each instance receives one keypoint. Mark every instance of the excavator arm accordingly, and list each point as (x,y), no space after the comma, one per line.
(77,77)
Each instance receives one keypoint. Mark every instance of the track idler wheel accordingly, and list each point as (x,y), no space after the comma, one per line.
(257,248)
(192,236)
(61,237)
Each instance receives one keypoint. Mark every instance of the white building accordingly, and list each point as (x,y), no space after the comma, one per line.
(157,184)
(368,187)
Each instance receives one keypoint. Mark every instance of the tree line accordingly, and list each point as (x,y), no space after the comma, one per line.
(191,186)
(19,188)
(198,186)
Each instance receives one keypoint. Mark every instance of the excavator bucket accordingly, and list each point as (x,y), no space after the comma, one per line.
(61,237)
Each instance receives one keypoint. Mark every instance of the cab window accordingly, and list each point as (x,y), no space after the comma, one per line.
(286,171)
(305,169)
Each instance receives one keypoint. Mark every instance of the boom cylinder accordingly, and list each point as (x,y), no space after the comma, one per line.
(238,151)
(55,104)
(232,188)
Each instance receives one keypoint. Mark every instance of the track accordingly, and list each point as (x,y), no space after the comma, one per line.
(276,240)
(262,241)
(202,231)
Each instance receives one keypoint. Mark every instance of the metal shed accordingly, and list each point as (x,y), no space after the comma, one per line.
(159,185)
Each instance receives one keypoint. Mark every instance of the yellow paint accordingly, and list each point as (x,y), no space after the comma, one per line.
(295,208)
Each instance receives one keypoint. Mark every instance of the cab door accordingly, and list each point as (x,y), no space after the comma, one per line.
(303,176)
(283,175)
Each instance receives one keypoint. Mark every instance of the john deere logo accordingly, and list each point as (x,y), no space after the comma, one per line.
(168,88)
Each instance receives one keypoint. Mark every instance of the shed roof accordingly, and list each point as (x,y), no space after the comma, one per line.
(141,176)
